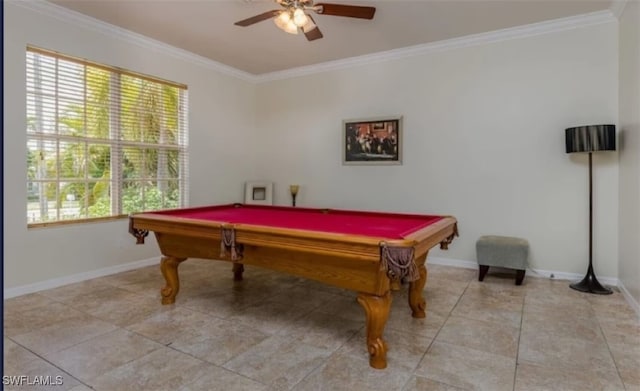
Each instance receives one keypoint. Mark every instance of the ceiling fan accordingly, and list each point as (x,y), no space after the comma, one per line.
(295,16)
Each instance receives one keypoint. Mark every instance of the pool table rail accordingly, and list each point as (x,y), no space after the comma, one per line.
(441,232)
(360,247)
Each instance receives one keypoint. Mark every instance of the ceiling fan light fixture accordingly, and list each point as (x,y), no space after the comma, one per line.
(308,26)
(294,16)
(299,17)
(285,23)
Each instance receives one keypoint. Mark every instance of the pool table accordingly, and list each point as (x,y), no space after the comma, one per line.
(367,252)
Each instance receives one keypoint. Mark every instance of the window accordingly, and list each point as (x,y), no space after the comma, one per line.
(101,141)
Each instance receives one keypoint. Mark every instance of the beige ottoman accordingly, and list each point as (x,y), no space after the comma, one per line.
(502,251)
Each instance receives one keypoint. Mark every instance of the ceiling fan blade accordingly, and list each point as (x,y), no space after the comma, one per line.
(351,11)
(314,33)
(258,18)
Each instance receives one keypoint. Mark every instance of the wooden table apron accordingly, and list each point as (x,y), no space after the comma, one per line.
(347,261)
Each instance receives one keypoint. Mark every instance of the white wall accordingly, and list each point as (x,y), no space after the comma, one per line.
(629,266)
(220,119)
(483,141)
(483,128)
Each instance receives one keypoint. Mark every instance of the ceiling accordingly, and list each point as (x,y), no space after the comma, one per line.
(206,27)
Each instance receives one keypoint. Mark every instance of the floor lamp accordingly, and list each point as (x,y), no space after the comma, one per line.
(591,138)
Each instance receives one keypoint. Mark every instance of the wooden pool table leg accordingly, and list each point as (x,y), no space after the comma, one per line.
(376,309)
(238,269)
(169,268)
(416,299)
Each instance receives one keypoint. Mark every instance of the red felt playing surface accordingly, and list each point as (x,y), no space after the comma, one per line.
(384,225)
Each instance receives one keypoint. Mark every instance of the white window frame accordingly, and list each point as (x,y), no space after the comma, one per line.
(37,136)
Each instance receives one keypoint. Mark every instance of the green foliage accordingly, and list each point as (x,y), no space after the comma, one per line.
(132,201)
(32,164)
(154,199)
(100,208)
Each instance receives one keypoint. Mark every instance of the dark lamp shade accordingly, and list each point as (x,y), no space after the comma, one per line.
(591,138)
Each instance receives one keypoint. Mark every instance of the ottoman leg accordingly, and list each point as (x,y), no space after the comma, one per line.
(483,271)
(519,276)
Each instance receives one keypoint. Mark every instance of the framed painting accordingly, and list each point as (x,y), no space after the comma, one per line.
(372,141)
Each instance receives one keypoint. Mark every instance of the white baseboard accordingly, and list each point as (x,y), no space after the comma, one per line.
(539,273)
(551,274)
(60,281)
(452,262)
(556,275)
(630,299)
(57,282)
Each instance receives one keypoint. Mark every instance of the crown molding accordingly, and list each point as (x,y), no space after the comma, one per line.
(69,16)
(523,31)
(617,7)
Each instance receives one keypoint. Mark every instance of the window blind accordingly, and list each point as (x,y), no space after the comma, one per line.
(101,141)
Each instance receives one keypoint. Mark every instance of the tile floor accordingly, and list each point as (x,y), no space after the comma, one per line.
(277,332)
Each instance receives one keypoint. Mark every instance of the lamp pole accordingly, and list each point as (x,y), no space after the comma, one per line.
(590,283)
